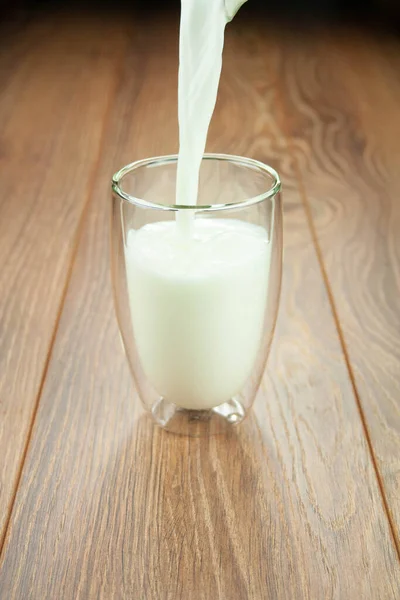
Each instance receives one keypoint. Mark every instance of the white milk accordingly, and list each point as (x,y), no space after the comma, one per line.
(198,306)
(200,60)
(198,288)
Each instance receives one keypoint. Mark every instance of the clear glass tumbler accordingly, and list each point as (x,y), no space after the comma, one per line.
(197,320)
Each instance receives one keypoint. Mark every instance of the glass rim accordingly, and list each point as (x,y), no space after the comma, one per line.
(157,161)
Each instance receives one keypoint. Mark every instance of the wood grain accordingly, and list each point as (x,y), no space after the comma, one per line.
(48,150)
(342,98)
(287,505)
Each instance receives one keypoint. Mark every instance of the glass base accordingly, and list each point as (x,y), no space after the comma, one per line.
(197,423)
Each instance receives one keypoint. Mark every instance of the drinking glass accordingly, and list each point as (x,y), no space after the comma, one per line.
(197,364)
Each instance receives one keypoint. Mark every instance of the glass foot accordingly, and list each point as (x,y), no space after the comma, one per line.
(197,422)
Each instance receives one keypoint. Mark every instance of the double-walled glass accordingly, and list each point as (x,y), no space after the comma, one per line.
(197,342)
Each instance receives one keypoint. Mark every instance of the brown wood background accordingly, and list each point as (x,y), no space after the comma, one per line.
(302,500)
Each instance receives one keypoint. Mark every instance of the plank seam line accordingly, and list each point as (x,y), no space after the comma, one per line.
(311,226)
(74,252)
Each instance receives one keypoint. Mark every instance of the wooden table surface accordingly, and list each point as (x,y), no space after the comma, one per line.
(302,501)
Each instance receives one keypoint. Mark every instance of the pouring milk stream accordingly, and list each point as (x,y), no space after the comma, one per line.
(200,61)
(198,287)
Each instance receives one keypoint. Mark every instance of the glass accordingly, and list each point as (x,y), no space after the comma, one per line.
(197,344)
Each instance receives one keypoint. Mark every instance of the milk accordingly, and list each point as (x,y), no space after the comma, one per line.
(198,306)
(200,61)
(197,287)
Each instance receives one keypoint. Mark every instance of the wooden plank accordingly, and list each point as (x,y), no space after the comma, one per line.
(56,83)
(343,99)
(287,505)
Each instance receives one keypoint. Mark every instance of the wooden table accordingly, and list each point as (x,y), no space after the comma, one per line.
(302,500)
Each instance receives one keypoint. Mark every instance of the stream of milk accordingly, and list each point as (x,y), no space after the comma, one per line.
(200,61)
